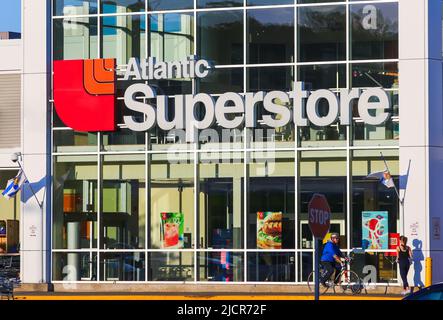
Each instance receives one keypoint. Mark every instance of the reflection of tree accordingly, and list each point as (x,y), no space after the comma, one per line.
(316,21)
(381,42)
(221,37)
(270,41)
(386,29)
(322,34)
(221,3)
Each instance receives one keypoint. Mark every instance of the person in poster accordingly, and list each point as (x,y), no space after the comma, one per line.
(172,224)
(269,230)
(375,230)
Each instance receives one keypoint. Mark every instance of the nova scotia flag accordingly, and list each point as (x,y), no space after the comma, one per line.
(384,177)
(14,185)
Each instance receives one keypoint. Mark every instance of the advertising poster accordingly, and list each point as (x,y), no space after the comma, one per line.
(269,230)
(172,225)
(375,232)
(394,242)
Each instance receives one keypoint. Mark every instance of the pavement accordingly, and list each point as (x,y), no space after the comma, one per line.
(205,296)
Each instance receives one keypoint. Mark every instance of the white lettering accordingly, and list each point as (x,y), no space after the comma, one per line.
(133,70)
(221,110)
(275,102)
(370,20)
(231,110)
(146,109)
(313,112)
(365,105)
(192,122)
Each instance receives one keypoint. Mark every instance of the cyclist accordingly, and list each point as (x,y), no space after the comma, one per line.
(331,258)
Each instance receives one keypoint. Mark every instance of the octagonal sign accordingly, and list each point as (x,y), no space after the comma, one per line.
(319,215)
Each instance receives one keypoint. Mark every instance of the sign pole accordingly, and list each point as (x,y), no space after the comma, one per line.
(316,269)
(319,214)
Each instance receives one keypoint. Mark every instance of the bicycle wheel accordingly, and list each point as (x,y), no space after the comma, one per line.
(349,280)
(311,284)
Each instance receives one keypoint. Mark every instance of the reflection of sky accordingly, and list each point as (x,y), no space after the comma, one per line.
(282,16)
(10,15)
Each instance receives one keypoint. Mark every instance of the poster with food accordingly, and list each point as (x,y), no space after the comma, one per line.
(269,230)
(172,225)
(375,231)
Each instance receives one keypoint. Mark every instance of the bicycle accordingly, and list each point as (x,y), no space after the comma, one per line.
(346,279)
(7,286)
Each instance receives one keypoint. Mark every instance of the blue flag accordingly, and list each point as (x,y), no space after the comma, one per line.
(384,177)
(14,185)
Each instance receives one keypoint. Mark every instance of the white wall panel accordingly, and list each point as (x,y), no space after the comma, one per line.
(35,106)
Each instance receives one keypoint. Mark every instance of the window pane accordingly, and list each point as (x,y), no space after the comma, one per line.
(168,140)
(221,81)
(270,35)
(271,267)
(220,36)
(267,2)
(216,137)
(74,7)
(158,5)
(305,263)
(221,200)
(171,200)
(271,200)
(171,266)
(323,172)
(322,1)
(322,33)
(123,37)
(220,266)
(123,215)
(74,266)
(74,141)
(123,140)
(219,3)
(128,266)
(370,196)
(374,33)
(374,267)
(387,133)
(75,38)
(75,202)
(330,76)
(269,79)
(122,6)
(383,75)
(322,136)
(171,36)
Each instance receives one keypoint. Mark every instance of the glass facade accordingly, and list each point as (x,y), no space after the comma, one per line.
(149,207)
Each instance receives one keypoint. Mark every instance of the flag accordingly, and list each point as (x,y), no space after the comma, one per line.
(14,185)
(384,177)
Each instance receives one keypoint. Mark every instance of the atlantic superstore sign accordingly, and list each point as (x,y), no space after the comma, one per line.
(85,99)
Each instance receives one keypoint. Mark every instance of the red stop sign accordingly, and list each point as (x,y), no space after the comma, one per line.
(319,215)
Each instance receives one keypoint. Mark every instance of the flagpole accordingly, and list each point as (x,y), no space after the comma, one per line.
(398,195)
(35,196)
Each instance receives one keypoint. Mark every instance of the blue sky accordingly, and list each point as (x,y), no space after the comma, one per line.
(10,19)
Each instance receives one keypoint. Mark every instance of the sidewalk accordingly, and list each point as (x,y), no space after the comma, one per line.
(189,291)
(195,296)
